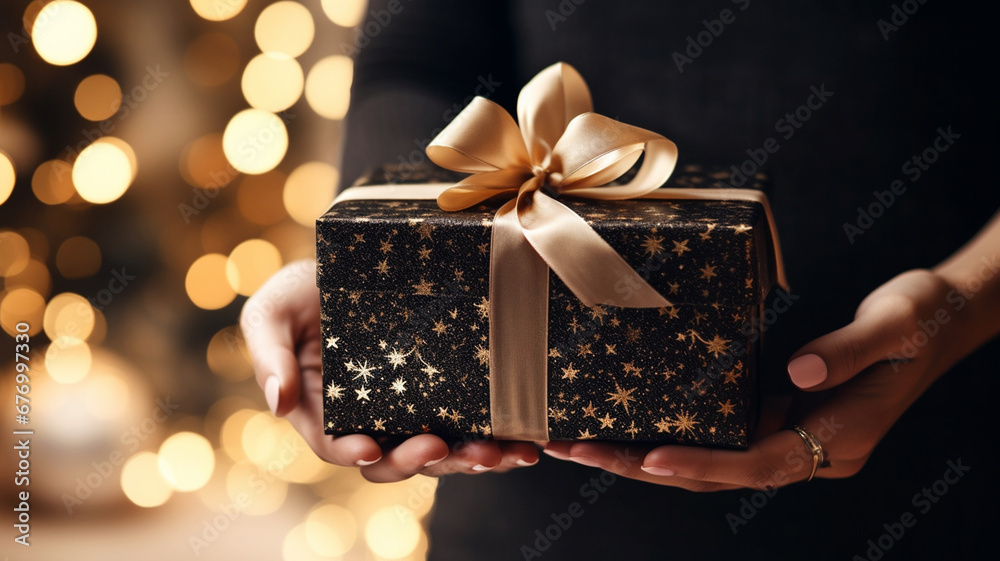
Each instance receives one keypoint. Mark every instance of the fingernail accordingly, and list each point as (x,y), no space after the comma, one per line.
(807,371)
(657,470)
(585,461)
(526,463)
(556,455)
(437,461)
(480,467)
(271,389)
(363,463)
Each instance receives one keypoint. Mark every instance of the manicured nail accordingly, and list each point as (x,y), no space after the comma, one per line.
(363,463)
(807,371)
(271,389)
(526,463)
(437,461)
(657,470)
(480,467)
(556,455)
(585,461)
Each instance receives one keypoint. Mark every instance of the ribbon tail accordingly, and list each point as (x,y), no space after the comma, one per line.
(519,305)
(589,267)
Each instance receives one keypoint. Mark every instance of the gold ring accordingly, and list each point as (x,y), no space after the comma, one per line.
(815,448)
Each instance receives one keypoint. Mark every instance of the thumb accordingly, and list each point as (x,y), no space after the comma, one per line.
(837,357)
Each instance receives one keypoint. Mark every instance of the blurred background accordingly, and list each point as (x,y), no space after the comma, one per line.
(158,161)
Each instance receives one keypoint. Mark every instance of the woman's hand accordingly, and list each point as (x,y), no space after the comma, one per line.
(281,325)
(904,335)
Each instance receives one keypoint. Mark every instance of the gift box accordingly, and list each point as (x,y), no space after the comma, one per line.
(432,323)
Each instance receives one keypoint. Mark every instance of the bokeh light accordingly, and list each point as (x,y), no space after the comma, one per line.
(203,163)
(98,97)
(393,532)
(186,460)
(64,32)
(69,315)
(250,264)
(78,257)
(14,253)
(255,141)
(227,355)
(106,391)
(284,28)
(259,197)
(212,59)
(262,492)
(142,481)
(21,305)
(218,10)
(35,276)
(345,13)
(11,83)
(206,282)
(231,435)
(295,546)
(331,530)
(52,182)
(272,83)
(103,172)
(309,191)
(328,86)
(68,359)
(8,177)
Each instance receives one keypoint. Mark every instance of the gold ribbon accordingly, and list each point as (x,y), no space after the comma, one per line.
(561,148)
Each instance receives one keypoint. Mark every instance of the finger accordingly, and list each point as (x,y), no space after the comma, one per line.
(627,462)
(407,459)
(516,454)
(468,457)
(353,450)
(271,321)
(836,357)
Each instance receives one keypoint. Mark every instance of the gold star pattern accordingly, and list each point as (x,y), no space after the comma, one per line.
(440,328)
(685,422)
(424,253)
(331,342)
(383,267)
(334,392)
(632,429)
(681,247)
(590,410)
(483,308)
(631,368)
(653,245)
(425,230)
(726,409)
(423,288)
(399,386)
(707,234)
(663,425)
(363,394)
(364,372)
(569,373)
(442,413)
(380,424)
(742,228)
(598,313)
(482,355)
(411,408)
(621,396)
(386,247)
(731,376)
(607,421)
(397,358)
(585,435)
(717,346)
(610,349)
(359,238)
(707,272)
(557,414)
(456,416)
(554,353)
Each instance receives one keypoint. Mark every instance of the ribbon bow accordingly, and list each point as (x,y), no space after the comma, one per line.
(561,148)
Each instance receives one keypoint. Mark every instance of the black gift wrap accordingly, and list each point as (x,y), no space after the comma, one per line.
(405,319)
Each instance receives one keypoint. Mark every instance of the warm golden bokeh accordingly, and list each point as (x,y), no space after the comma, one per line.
(11,83)
(272,83)
(14,253)
(345,13)
(331,529)
(250,264)
(142,481)
(255,141)
(203,163)
(259,197)
(103,172)
(206,282)
(227,355)
(35,276)
(78,257)
(64,32)
(98,97)
(284,29)
(52,182)
(68,359)
(69,315)
(328,86)
(218,10)
(186,460)
(8,177)
(309,191)
(21,305)
(393,532)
